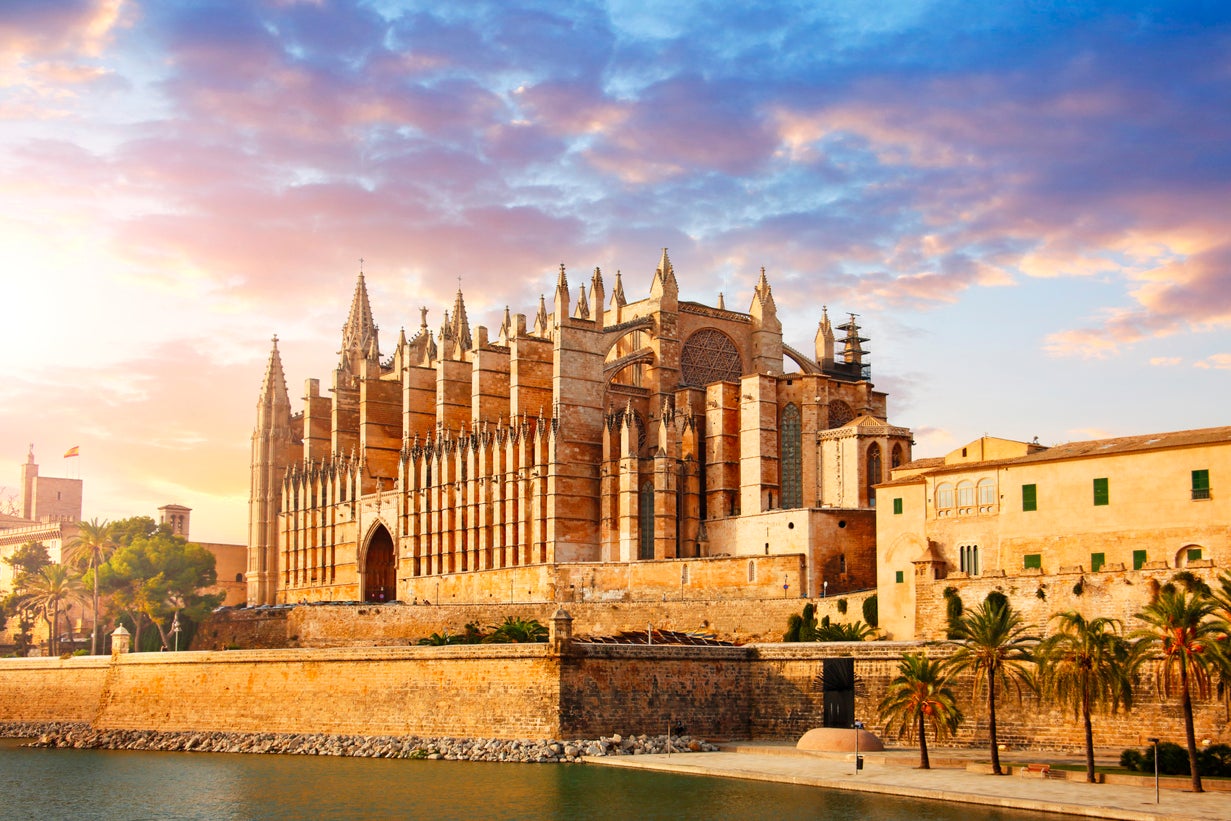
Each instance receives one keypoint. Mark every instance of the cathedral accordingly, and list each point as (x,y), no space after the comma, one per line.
(600,450)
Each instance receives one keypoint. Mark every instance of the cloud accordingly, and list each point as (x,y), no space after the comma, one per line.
(1218,361)
(1166,361)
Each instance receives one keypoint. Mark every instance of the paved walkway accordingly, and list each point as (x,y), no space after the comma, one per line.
(889,774)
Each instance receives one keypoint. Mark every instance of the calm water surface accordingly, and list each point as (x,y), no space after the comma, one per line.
(89,784)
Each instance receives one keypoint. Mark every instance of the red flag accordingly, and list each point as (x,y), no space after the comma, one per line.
(75,450)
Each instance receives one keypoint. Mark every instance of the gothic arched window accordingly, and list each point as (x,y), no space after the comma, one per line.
(645,543)
(709,356)
(874,472)
(792,458)
(895,460)
(839,413)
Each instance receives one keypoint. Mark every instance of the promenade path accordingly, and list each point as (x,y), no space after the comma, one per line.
(892,773)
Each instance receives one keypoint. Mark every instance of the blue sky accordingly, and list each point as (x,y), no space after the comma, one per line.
(1026,203)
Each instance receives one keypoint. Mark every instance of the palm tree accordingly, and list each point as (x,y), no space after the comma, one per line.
(1087,665)
(1181,626)
(93,545)
(48,591)
(918,698)
(994,644)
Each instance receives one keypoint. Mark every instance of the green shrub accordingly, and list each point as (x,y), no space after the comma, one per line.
(842,606)
(997,599)
(953,612)
(1132,760)
(871,613)
(1215,760)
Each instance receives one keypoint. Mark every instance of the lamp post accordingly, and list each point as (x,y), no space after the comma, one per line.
(858,761)
(824,588)
(175,628)
(1154,741)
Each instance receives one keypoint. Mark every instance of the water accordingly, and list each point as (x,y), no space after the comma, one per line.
(102,784)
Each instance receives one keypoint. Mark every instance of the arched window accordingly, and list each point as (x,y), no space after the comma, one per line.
(752,570)
(709,356)
(987,493)
(839,413)
(874,472)
(792,458)
(965,493)
(944,496)
(968,557)
(645,544)
(896,456)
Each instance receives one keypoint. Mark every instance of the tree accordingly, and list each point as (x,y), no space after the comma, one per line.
(156,577)
(995,646)
(51,589)
(92,546)
(1180,625)
(920,698)
(26,562)
(1087,665)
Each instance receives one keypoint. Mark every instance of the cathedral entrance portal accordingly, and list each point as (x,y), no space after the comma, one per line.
(380,567)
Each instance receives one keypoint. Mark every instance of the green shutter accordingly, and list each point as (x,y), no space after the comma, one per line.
(1201,484)
(1101,494)
(898,577)
(1139,559)
(1030,497)
(1097,560)
(1194,554)
(1032,560)
(897,506)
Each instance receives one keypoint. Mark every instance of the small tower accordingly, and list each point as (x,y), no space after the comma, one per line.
(175,517)
(359,334)
(273,450)
(665,290)
(824,340)
(767,330)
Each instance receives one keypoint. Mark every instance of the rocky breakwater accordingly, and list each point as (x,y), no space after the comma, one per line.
(449,749)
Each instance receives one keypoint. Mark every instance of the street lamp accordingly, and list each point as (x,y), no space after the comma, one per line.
(1154,741)
(824,588)
(175,628)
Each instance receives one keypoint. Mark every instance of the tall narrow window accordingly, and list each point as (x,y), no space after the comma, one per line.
(895,457)
(645,545)
(1139,559)
(1102,494)
(944,496)
(968,559)
(965,493)
(792,458)
(874,472)
(987,493)
(1030,497)
(1097,560)
(1201,484)
(897,506)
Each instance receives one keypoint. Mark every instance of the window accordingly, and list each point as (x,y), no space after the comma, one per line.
(645,545)
(792,458)
(944,496)
(1139,559)
(895,458)
(898,577)
(874,472)
(987,492)
(1097,560)
(965,493)
(1201,484)
(1030,497)
(1101,494)
(1194,554)
(842,563)
(1033,561)
(897,506)
(968,559)
(684,574)
(752,570)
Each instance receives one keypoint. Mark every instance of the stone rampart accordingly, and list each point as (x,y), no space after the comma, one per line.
(51,689)
(739,620)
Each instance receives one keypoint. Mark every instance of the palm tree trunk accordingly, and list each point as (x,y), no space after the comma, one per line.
(1189,734)
(924,763)
(94,625)
(1085,715)
(991,722)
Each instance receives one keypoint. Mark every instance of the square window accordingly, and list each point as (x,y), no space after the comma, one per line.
(1139,559)
(1102,495)
(1030,497)
(899,577)
(897,506)
(1097,560)
(1194,554)
(1032,560)
(1201,484)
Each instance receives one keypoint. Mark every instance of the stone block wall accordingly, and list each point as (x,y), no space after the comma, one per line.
(51,689)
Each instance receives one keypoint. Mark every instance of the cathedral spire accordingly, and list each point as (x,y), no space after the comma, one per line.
(461,323)
(359,334)
(665,289)
(582,311)
(540,319)
(273,389)
(617,292)
(824,340)
(562,296)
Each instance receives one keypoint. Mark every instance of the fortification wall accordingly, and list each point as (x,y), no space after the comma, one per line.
(51,689)
(487,691)
(741,620)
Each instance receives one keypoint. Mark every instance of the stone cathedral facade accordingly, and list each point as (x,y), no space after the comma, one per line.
(601,449)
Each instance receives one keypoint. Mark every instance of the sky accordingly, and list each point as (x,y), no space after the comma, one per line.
(1028,204)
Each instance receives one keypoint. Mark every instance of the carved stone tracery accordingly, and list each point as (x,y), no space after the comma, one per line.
(709,356)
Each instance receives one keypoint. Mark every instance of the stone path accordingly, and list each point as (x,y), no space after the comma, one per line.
(889,775)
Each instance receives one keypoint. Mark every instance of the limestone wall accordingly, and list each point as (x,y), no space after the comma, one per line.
(52,689)
(745,620)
